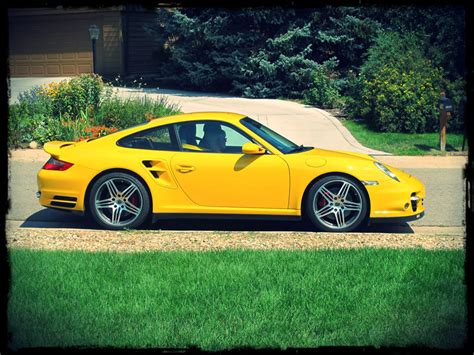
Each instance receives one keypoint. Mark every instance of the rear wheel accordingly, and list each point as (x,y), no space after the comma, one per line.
(119,201)
(337,204)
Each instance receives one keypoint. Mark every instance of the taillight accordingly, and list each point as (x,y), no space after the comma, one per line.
(55,164)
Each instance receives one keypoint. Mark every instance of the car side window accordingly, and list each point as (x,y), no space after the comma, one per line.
(211,136)
(188,136)
(158,138)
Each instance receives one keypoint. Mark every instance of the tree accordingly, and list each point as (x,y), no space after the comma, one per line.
(273,52)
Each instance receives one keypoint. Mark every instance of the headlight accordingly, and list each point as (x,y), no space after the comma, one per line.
(386,170)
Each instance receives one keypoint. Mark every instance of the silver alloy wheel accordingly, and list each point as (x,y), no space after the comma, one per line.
(118,202)
(337,204)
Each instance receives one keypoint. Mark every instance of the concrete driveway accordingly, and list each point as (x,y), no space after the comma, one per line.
(302,124)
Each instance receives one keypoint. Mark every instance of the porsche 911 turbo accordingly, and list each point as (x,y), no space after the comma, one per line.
(215,164)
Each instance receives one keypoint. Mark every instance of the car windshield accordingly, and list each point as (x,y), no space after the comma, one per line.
(278,141)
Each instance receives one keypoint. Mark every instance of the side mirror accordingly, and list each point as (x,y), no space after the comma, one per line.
(252,148)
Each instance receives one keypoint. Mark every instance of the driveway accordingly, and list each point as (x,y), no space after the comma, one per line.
(443,176)
(303,124)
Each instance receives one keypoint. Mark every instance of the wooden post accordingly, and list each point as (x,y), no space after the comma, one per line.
(443,119)
(445,108)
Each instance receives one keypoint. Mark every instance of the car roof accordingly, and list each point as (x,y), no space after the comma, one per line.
(195,116)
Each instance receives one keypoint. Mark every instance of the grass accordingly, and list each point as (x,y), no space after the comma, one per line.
(403,143)
(229,299)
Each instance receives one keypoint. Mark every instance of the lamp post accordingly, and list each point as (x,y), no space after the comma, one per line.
(94,35)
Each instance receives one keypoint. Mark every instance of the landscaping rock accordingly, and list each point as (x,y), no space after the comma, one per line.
(33,145)
(137,241)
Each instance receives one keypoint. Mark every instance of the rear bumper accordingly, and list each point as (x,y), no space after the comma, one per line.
(64,189)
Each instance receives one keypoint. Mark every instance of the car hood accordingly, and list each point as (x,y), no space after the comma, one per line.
(318,157)
(330,154)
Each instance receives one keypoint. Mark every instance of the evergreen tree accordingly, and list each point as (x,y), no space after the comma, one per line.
(272,52)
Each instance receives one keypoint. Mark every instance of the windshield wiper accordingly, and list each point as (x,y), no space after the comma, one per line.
(297,149)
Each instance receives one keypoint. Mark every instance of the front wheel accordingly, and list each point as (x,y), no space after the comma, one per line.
(337,204)
(119,201)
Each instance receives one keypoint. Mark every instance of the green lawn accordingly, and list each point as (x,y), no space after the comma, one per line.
(218,300)
(403,143)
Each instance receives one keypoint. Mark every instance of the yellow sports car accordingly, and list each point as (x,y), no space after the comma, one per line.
(214,163)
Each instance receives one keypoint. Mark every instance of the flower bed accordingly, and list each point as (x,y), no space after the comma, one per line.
(76,109)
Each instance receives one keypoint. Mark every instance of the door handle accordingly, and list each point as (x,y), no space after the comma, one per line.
(185,168)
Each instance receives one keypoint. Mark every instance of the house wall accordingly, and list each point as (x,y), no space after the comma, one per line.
(141,50)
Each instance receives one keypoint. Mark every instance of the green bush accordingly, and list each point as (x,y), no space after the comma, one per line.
(18,126)
(324,91)
(456,91)
(24,127)
(351,94)
(35,101)
(403,101)
(398,86)
(70,96)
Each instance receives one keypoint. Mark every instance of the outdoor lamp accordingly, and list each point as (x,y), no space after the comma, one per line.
(94,34)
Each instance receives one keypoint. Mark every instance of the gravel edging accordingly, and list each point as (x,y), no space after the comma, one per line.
(141,241)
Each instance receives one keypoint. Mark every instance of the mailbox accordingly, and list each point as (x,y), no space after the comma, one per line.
(445,104)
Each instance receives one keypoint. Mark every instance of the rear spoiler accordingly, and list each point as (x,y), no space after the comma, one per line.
(54,147)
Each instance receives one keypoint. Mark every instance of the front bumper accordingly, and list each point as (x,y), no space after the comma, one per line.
(402,200)
(398,219)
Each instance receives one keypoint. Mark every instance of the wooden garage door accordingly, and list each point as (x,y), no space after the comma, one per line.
(49,45)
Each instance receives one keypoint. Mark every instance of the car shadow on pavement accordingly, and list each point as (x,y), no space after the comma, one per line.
(49,218)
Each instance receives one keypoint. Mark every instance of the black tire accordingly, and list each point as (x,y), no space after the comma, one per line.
(333,209)
(119,201)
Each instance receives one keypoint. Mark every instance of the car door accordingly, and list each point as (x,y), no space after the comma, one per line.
(230,178)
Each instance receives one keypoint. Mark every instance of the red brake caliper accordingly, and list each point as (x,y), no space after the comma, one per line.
(322,201)
(134,199)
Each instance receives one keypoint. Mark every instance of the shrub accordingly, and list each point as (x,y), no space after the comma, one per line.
(456,91)
(18,126)
(324,91)
(24,127)
(399,87)
(33,101)
(70,96)
(351,94)
(403,100)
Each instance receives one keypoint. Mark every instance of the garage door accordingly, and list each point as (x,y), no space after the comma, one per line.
(49,45)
